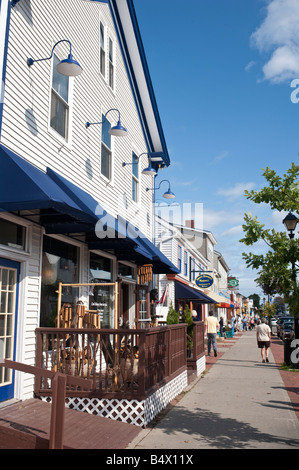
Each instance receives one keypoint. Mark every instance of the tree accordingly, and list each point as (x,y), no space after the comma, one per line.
(277,268)
(172,316)
(256,300)
(187,318)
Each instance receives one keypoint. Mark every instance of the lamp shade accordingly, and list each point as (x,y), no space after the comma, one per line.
(118,130)
(169,195)
(69,67)
(149,171)
(290,221)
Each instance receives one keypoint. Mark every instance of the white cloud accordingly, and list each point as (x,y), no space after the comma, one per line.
(278,36)
(250,65)
(220,157)
(236,230)
(216,219)
(236,191)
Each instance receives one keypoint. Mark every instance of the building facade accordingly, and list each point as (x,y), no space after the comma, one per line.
(73,200)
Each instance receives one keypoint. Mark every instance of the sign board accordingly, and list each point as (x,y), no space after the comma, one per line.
(233,283)
(204,281)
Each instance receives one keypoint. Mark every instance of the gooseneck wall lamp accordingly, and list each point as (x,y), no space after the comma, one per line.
(149,170)
(69,67)
(118,131)
(168,194)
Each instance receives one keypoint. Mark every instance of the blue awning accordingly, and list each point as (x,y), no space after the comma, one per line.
(188,293)
(26,188)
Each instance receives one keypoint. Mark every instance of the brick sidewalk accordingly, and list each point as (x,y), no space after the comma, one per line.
(290,378)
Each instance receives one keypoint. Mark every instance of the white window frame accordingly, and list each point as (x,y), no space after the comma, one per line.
(68,140)
(136,179)
(113,62)
(111,150)
(104,50)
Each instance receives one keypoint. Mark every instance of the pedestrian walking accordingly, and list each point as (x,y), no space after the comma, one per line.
(221,326)
(244,321)
(211,325)
(263,336)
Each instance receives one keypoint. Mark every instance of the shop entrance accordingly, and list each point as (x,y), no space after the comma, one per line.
(9,281)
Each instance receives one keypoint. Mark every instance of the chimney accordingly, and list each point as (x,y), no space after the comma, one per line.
(189,223)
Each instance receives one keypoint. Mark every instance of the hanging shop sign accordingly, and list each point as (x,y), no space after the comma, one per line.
(233,283)
(204,281)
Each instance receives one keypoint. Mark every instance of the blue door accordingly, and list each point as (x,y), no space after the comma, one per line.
(9,282)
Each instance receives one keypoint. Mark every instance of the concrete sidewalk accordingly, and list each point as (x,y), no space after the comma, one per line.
(240,403)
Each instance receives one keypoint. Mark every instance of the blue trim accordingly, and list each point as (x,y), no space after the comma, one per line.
(7,391)
(2,86)
(132,78)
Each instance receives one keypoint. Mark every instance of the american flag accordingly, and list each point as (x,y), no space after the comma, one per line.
(163,298)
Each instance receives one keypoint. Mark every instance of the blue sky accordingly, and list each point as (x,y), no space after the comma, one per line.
(222,72)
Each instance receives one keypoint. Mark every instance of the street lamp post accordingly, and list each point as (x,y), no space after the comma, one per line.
(290,222)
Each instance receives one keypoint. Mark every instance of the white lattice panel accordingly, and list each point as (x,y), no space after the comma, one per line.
(200,365)
(135,412)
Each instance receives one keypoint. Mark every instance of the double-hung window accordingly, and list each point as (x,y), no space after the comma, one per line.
(186,263)
(179,258)
(111,64)
(59,107)
(102,50)
(135,177)
(106,152)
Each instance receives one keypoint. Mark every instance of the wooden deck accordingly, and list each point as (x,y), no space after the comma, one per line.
(26,425)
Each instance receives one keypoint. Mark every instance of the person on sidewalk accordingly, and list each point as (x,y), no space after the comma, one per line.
(263,335)
(221,323)
(211,325)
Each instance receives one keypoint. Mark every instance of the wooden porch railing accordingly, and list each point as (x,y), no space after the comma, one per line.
(59,382)
(198,345)
(120,363)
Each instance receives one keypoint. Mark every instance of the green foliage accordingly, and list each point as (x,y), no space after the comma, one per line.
(187,318)
(172,316)
(256,300)
(277,268)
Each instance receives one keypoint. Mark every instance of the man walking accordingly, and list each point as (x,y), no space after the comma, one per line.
(211,325)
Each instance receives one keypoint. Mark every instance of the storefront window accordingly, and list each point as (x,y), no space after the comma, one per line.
(12,235)
(101,298)
(125,271)
(142,304)
(60,264)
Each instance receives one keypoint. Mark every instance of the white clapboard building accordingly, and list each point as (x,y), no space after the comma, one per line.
(80,141)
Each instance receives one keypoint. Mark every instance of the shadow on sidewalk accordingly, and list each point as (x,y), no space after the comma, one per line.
(211,429)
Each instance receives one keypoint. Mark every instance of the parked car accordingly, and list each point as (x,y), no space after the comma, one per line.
(280,323)
(287,330)
(273,322)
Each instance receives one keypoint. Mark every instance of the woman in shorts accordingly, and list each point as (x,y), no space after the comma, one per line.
(263,335)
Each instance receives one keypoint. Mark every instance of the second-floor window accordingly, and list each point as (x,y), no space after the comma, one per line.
(135,177)
(111,64)
(106,153)
(59,107)
(185,263)
(102,50)
(179,258)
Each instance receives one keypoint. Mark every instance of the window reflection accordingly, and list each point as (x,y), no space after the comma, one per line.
(59,264)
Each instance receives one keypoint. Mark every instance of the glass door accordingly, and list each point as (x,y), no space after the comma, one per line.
(9,278)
